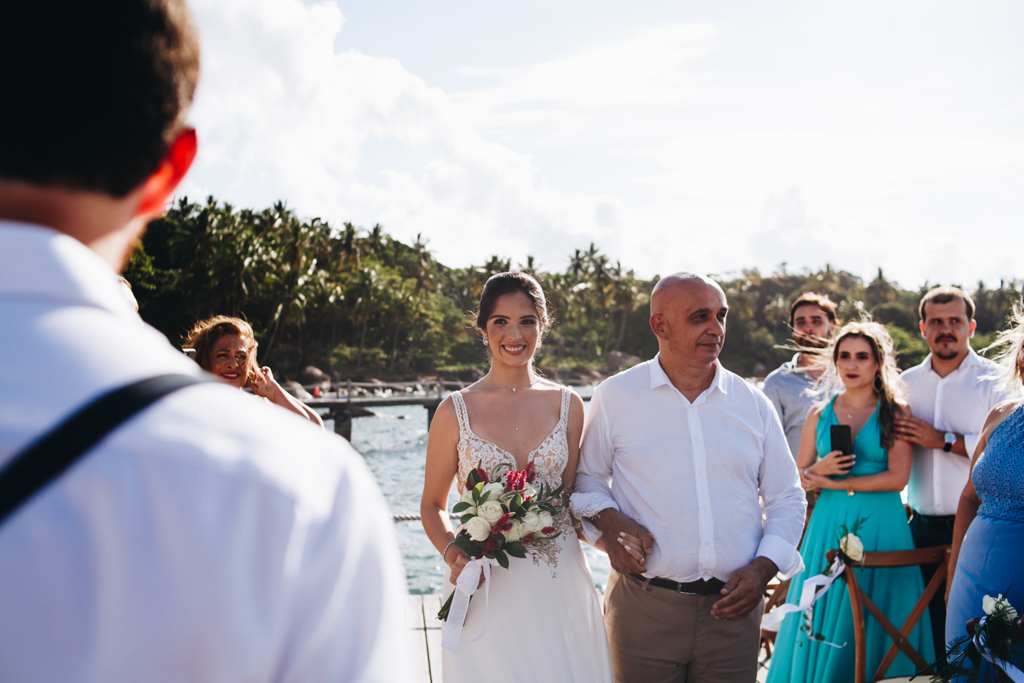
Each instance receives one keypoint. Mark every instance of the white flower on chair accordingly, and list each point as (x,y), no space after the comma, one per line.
(989,604)
(852,547)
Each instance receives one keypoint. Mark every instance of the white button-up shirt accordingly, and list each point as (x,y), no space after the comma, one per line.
(213,537)
(692,473)
(959,403)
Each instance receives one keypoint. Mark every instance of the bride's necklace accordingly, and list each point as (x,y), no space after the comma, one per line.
(515,401)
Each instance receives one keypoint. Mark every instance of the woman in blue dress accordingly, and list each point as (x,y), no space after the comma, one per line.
(988,536)
(859,494)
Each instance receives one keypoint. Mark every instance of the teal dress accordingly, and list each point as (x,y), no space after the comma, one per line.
(883,526)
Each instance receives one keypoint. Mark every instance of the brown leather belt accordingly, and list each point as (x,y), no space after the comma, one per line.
(702,587)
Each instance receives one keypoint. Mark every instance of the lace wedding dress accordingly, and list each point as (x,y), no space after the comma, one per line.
(545,617)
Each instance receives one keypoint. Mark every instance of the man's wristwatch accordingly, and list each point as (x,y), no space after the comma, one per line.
(950,439)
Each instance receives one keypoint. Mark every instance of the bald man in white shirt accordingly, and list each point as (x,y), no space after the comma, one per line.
(208,538)
(680,452)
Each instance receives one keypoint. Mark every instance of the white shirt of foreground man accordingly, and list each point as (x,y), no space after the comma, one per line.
(692,473)
(210,538)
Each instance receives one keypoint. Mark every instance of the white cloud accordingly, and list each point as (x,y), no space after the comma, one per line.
(646,69)
(708,146)
(281,115)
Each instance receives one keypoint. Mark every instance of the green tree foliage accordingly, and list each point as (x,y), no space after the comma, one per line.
(363,303)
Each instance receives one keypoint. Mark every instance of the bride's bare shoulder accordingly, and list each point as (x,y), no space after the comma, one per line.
(545,384)
(445,414)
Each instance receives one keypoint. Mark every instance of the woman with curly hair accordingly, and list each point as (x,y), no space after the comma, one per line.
(860,493)
(226,348)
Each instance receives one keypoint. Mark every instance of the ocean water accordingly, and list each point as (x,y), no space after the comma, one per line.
(394,444)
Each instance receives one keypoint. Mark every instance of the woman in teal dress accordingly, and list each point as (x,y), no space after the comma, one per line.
(861,493)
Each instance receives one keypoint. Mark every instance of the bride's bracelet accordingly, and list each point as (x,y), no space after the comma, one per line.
(444,553)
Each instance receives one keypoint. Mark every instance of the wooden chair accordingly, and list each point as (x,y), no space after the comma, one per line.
(775,595)
(859,602)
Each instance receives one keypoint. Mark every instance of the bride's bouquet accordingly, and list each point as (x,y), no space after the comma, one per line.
(501,514)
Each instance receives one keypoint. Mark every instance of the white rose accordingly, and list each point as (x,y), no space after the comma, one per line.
(531,523)
(989,604)
(467,497)
(494,489)
(852,547)
(478,529)
(545,519)
(490,510)
(529,492)
(515,533)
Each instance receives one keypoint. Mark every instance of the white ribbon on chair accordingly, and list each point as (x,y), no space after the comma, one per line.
(1014,674)
(808,596)
(465,586)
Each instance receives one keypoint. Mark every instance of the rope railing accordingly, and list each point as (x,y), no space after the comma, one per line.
(415,518)
(427,386)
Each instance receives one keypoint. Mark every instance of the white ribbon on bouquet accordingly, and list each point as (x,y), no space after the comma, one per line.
(1012,672)
(808,596)
(465,586)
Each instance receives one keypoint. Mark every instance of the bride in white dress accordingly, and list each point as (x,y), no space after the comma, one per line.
(545,619)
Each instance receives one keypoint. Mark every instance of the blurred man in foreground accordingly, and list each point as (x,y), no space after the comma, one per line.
(207,538)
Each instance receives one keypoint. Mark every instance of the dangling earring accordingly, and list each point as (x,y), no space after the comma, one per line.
(878,382)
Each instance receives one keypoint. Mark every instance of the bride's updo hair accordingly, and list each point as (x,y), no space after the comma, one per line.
(501,284)
(888,386)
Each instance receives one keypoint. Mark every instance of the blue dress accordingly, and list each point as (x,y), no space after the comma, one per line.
(991,560)
(883,526)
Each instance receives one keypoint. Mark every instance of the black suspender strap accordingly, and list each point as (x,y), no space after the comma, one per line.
(49,456)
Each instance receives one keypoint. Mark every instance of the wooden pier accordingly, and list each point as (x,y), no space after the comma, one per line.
(425,638)
(352,401)
(342,408)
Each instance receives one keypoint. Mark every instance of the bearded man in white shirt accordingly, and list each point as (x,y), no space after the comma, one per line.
(680,453)
(210,537)
(950,394)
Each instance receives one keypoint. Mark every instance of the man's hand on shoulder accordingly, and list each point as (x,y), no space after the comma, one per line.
(611,522)
(744,590)
(919,432)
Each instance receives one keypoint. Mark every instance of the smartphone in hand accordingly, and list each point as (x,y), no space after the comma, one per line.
(842,439)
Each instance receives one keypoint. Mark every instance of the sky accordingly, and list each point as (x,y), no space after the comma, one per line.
(704,136)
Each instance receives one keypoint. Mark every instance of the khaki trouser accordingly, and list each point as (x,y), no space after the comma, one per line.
(660,636)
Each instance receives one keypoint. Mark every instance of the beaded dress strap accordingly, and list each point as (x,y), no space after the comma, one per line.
(462,413)
(563,416)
